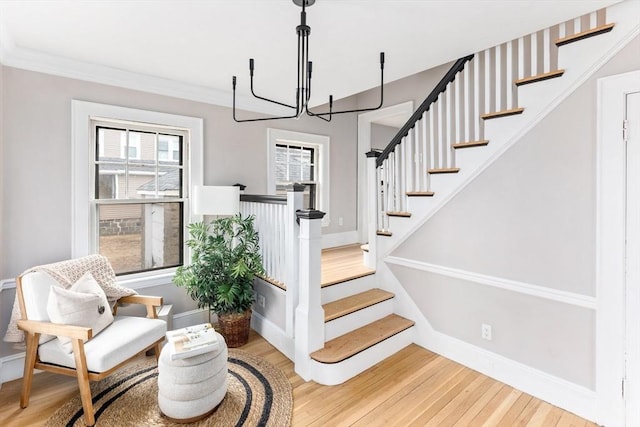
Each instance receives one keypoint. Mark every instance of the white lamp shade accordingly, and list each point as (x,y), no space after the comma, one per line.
(216,200)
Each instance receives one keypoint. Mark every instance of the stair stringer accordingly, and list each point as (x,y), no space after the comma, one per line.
(580,60)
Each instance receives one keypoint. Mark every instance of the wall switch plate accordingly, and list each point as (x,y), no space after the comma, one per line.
(486,332)
(261,300)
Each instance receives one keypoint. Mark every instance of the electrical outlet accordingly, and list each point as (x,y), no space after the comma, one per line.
(261,300)
(486,332)
(340,221)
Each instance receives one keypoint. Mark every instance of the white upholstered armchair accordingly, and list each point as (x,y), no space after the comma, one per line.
(51,310)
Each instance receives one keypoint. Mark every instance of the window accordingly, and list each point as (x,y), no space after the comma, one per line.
(131,204)
(129,145)
(296,157)
(295,164)
(138,197)
(168,148)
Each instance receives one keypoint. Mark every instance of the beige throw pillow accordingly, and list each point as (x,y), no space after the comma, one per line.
(83,304)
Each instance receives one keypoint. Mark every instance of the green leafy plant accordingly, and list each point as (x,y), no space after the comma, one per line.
(224,260)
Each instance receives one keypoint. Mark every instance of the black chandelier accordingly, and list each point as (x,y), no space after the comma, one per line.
(303,89)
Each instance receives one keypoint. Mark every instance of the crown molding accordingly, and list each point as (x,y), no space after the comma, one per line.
(17,57)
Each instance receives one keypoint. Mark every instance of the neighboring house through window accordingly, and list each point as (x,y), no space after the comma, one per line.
(302,158)
(133,205)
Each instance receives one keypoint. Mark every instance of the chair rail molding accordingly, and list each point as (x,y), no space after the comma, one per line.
(544,292)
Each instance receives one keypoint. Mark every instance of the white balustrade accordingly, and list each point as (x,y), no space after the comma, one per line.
(485,85)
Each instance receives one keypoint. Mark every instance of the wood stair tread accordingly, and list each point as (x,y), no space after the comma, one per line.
(444,170)
(352,343)
(401,214)
(383,233)
(539,77)
(420,193)
(584,34)
(502,113)
(353,303)
(469,144)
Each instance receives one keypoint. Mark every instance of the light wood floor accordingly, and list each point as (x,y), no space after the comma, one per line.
(412,388)
(342,263)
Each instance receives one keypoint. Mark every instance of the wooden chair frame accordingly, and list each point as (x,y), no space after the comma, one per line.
(33,329)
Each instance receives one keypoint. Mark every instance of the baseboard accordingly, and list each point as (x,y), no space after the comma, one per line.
(191,317)
(7,284)
(11,367)
(273,334)
(339,239)
(557,391)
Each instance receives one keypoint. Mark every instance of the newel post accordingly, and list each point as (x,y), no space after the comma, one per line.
(292,254)
(309,325)
(372,207)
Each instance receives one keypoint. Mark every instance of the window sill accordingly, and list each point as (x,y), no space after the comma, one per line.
(147,279)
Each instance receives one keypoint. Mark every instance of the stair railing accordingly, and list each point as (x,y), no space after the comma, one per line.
(278,231)
(477,88)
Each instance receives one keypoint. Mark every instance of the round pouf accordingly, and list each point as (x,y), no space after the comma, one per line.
(189,389)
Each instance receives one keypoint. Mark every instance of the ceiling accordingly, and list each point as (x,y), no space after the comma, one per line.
(195,46)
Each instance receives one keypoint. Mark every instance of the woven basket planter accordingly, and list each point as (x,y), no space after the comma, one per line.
(235,328)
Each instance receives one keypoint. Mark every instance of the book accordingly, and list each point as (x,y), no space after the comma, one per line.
(191,341)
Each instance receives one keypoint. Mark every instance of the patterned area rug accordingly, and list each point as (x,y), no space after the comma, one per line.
(258,394)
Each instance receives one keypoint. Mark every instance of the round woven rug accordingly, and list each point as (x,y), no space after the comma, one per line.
(258,394)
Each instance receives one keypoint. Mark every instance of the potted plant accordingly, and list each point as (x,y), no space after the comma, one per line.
(225,257)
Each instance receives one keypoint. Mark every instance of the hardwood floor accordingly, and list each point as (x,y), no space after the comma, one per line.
(342,263)
(412,388)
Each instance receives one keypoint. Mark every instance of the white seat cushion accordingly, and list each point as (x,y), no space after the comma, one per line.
(125,337)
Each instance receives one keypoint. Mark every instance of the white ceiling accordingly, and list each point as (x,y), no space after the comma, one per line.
(197,45)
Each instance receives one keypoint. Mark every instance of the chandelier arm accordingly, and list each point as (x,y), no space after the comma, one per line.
(360,110)
(263,98)
(257,119)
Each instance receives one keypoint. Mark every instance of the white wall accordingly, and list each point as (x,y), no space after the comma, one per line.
(527,221)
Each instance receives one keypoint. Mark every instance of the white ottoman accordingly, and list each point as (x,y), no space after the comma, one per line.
(190,389)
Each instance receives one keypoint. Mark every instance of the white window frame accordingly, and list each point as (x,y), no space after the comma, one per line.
(82,114)
(321,145)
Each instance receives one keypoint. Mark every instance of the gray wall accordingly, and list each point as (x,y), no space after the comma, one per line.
(530,217)
(37,158)
(381,135)
(413,88)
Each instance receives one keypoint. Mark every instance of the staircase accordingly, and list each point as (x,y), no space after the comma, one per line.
(479,109)
(360,329)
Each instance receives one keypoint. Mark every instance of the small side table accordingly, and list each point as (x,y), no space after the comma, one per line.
(191,389)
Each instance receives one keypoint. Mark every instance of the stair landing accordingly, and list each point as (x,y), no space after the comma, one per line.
(343,263)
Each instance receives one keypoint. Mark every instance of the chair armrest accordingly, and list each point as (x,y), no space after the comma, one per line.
(141,299)
(149,301)
(57,329)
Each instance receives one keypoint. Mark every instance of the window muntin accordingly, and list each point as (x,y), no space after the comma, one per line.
(138,197)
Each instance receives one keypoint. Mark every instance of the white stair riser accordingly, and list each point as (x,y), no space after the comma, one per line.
(337,373)
(355,320)
(348,288)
